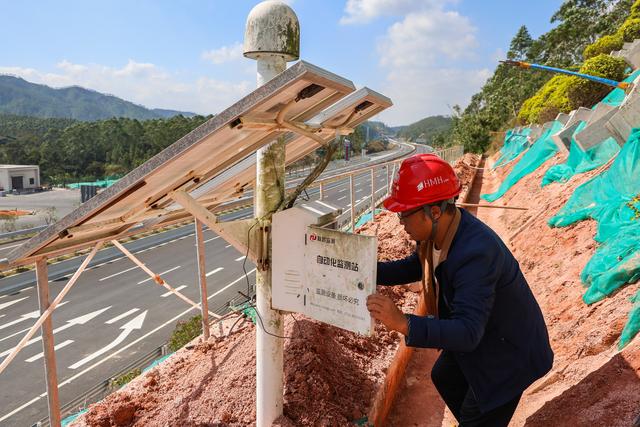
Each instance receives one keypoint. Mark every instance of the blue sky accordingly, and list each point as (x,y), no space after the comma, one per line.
(426,55)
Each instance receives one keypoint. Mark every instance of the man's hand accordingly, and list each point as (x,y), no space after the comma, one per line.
(384,310)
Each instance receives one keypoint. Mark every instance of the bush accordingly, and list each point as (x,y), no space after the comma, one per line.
(551,97)
(585,93)
(605,44)
(635,9)
(184,332)
(630,30)
(124,378)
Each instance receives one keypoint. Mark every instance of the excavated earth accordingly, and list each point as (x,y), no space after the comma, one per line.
(332,375)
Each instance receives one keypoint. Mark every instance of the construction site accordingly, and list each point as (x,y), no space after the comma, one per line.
(295,345)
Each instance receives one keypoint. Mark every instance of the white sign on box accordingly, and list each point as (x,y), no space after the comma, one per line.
(322,273)
(340,273)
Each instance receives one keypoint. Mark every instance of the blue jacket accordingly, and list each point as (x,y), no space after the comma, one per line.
(488,317)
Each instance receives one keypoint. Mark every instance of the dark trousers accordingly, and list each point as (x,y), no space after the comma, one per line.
(456,393)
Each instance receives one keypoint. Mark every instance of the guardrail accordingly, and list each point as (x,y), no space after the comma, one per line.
(22,232)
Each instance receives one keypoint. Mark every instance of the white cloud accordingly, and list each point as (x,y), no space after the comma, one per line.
(142,83)
(426,57)
(224,54)
(362,11)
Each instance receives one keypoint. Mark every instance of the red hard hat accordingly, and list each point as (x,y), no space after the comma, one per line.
(422,179)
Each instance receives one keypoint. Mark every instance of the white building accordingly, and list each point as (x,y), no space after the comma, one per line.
(19,177)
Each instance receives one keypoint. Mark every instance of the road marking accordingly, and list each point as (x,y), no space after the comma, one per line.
(164,272)
(214,271)
(117,274)
(2,315)
(349,205)
(122,316)
(14,334)
(241,258)
(179,288)
(26,289)
(340,191)
(10,303)
(130,326)
(358,190)
(77,321)
(208,240)
(41,354)
(115,353)
(227,247)
(342,198)
(32,315)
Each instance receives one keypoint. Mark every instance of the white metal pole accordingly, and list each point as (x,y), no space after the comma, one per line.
(387,173)
(353,204)
(272,37)
(48,344)
(269,349)
(202,279)
(373,196)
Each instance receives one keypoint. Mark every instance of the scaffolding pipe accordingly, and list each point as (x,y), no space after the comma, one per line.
(602,80)
(202,278)
(53,399)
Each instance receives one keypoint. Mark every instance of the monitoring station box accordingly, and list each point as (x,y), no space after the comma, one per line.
(322,273)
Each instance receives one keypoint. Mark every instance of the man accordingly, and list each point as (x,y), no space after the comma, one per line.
(480,309)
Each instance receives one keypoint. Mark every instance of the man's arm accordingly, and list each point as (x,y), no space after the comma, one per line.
(475,286)
(400,272)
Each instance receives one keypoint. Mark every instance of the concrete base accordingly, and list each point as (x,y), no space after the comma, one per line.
(536,132)
(630,52)
(628,115)
(562,118)
(563,138)
(580,115)
(595,132)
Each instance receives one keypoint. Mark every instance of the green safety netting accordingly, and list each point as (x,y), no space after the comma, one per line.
(514,144)
(102,183)
(543,149)
(616,96)
(613,200)
(581,161)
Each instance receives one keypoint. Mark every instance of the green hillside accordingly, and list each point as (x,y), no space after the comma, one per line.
(22,98)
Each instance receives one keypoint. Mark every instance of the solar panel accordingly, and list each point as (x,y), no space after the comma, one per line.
(140,199)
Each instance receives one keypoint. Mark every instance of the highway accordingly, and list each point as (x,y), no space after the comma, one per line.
(115,313)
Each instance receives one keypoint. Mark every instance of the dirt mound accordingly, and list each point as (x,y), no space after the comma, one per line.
(331,375)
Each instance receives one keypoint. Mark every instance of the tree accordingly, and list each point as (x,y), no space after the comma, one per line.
(520,45)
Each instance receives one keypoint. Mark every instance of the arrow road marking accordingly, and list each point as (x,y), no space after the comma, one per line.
(41,354)
(32,315)
(122,316)
(164,272)
(127,328)
(77,321)
(10,303)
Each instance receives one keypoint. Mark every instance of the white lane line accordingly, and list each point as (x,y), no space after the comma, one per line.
(349,205)
(10,303)
(208,240)
(214,271)
(2,315)
(122,316)
(227,247)
(117,274)
(179,288)
(115,353)
(342,198)
(41,354)
(358,190)
(340,191)
(164,272)
(241,258)
(9,247)
(26,289)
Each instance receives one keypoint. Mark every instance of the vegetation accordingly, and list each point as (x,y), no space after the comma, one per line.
(592,28)
(23,98)
(124,378)
(185,332)
(429,128)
